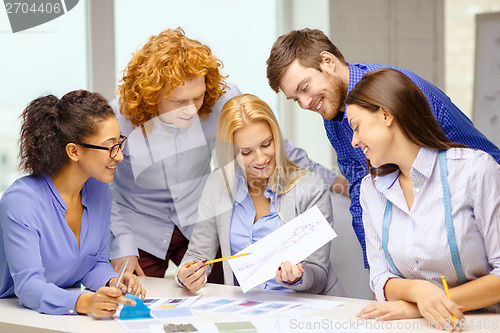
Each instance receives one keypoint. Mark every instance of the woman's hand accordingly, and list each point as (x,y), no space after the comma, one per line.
(192,275)
(103,303)
(436,307)
(391,310)
(130,284)
(132,266)
(289,273)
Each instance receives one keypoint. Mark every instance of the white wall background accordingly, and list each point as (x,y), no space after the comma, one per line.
(240,33)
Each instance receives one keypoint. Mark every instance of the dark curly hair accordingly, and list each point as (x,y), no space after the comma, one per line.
(50,123)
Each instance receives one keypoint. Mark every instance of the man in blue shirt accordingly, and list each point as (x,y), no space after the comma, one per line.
(309,69)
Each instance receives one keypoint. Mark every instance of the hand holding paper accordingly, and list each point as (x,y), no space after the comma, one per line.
(289,273)
(292,242)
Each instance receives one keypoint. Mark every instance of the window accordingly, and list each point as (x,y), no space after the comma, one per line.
(47,59)
(240,33)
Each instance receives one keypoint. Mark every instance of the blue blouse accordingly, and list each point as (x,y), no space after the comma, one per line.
(244,232)
(39,253)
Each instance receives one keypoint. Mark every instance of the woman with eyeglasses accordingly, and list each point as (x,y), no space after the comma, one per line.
(55,222)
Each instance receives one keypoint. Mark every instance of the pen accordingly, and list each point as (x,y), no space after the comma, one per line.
(122,271)
(446,290)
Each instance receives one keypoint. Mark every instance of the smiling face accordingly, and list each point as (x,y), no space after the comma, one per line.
(258,154)
(322,92)
(96,163)
(372,133)
(183,103)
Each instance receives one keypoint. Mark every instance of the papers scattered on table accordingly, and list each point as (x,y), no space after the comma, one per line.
(293,242)
(161,308)
(170,303)
(264,305)
(254,315)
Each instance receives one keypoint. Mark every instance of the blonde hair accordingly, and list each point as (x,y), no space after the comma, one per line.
(239,112)
(165,62)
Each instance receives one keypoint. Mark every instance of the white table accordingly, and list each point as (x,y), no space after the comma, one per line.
(14,318)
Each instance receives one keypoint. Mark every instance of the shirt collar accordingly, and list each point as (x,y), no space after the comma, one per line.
(55,192)
(425,161)
(384,183)
(242,190)
(57,195)
(423,165)
(355,74)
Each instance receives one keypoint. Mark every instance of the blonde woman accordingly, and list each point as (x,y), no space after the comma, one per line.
(245,201)
(171,95)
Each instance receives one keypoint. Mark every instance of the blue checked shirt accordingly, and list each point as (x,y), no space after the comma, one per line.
(352,162)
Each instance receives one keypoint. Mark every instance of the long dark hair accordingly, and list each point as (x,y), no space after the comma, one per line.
(396,93)
(50,123)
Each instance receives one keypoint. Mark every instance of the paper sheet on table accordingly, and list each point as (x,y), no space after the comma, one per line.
(161,308)
(299,306)
(265,304)
(293,242)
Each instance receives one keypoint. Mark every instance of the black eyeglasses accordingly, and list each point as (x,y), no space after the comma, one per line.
(113,150)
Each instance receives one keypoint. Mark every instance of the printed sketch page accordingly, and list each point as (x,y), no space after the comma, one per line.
(292,242)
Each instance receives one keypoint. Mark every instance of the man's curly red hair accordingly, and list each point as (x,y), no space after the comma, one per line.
(165,62)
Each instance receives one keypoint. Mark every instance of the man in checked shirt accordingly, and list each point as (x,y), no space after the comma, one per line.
(310,70)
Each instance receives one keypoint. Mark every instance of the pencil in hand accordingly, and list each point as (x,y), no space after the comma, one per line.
(220,259)
(225,258)
(447,291)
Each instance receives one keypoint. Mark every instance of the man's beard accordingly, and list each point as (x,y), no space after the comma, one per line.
(334,96)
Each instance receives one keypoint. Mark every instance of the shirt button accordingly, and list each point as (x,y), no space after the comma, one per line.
(417,190)
(165,241)
(415,269)
(71,311)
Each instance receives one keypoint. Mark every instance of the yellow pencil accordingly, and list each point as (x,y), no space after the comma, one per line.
(447,291)
(230,257)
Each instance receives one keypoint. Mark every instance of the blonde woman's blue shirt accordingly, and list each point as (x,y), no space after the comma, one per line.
(244,232)
(39,253)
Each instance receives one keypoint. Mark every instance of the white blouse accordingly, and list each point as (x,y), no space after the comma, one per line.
(418,242)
